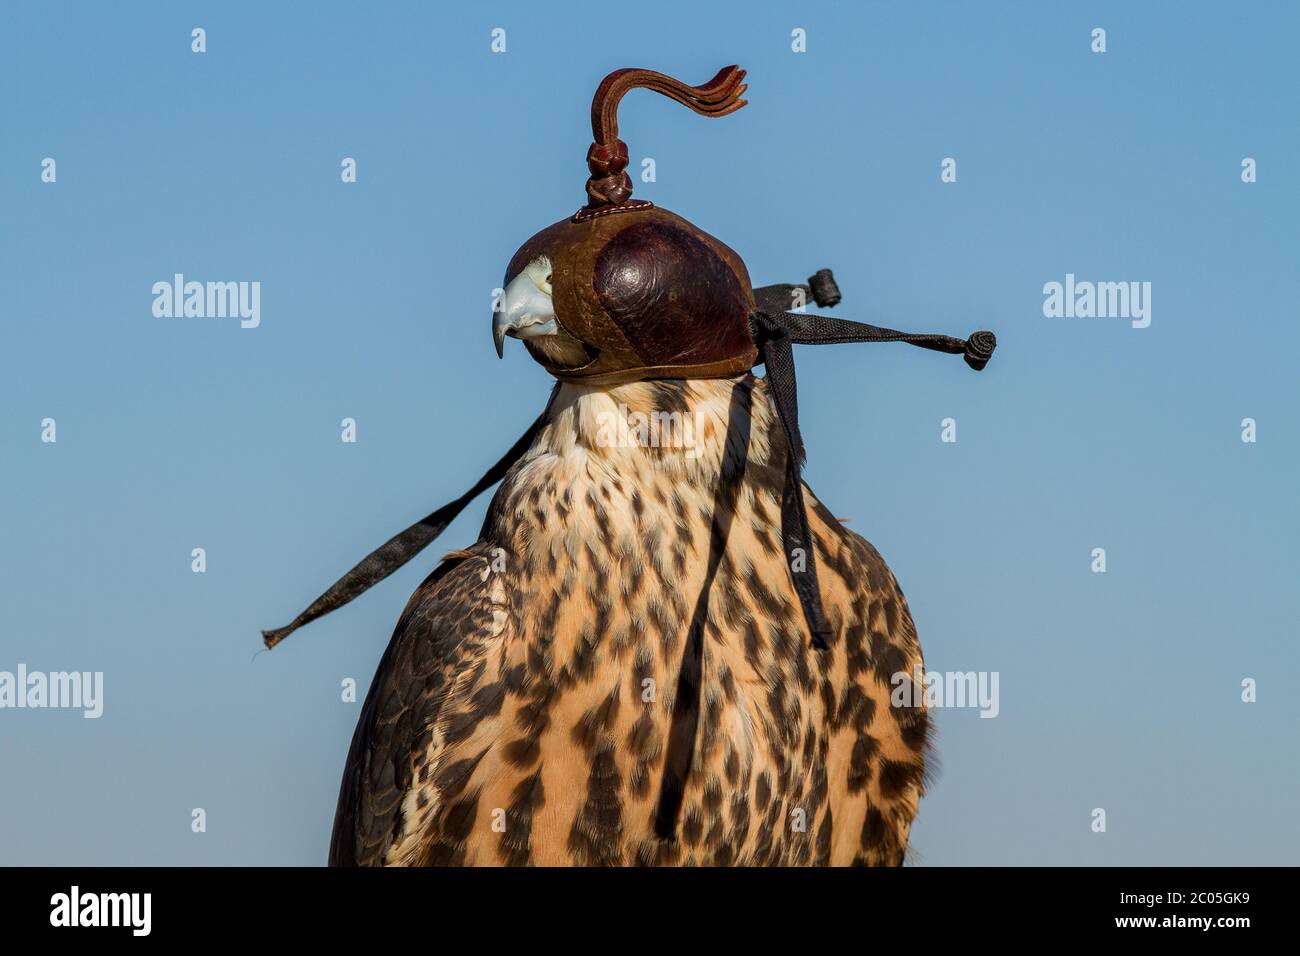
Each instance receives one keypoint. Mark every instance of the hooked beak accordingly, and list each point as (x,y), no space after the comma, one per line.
(525,312)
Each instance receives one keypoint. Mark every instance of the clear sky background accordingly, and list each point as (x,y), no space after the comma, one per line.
(1119,690)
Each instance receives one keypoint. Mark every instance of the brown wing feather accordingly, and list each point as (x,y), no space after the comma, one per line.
(891,746)
(441,619)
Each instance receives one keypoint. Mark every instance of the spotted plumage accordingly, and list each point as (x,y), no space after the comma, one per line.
(619,672)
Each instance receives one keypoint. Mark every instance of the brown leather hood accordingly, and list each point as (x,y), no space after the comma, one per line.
(647,293)
(652,294)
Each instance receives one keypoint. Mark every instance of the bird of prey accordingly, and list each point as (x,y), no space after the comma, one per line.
(662,649)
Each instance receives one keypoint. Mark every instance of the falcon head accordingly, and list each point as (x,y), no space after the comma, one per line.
(526,311)
(629,293)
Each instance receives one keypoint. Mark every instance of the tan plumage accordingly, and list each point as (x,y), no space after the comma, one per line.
(542,700)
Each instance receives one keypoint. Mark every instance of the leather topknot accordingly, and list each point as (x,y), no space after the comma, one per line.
(609,183)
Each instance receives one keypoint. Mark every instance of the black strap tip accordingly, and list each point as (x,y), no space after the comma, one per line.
(979,349)
(825,291)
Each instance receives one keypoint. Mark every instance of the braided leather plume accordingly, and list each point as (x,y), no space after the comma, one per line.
(610,184)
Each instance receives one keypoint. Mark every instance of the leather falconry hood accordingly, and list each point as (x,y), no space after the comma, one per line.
(652,296)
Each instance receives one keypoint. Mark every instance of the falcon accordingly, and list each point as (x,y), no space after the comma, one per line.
(662,649)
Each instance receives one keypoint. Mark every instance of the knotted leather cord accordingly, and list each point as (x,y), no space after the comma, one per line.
(782,298)
(402,547)
(609,185)
(776,330)
(822,330)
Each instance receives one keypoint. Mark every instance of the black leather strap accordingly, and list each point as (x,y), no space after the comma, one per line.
(402,547)
(796,537)
(775,330)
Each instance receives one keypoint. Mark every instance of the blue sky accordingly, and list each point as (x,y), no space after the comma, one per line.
(1119,690)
